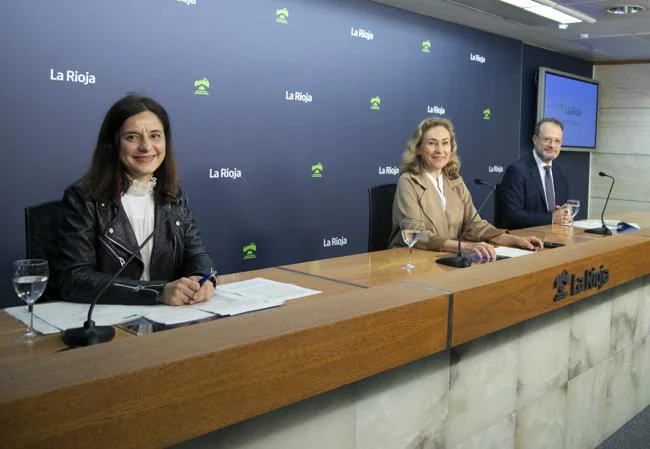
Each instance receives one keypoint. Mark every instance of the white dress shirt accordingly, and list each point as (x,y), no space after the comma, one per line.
(439,186)
(141,210)
(542,173)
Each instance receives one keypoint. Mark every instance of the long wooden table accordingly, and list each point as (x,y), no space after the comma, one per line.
(372,316)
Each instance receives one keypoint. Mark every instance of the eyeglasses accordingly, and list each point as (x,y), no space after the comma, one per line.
(550,140)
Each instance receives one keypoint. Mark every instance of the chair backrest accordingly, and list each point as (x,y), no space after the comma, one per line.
(42,223)
(380,223)
(497,206)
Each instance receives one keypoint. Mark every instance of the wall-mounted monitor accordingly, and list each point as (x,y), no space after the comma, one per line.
(573,100)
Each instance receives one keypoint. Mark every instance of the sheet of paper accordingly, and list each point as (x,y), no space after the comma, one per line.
(22,314)
(266,289)
(595,223)
(223,303)
(164,314)
(66,315)
(512,252)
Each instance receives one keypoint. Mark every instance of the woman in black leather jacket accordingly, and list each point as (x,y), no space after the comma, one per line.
(130,191)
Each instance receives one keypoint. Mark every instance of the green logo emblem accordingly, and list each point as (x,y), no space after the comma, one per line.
(486,114)
(202,87)
(375,103)
(317,170)
(281,15)
(249,251)
(426,46)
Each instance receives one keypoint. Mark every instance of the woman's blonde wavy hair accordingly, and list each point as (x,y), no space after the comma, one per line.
(411,161)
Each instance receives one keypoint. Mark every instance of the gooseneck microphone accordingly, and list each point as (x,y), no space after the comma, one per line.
(460,261)
(90,334)
(603,230)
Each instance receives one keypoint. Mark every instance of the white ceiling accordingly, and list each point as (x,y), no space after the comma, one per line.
(611,38)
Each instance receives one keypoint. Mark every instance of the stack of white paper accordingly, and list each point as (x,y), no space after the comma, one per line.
(506,251)
(592,224)
(165,314)
(229,299)
(21,313)
(265,289)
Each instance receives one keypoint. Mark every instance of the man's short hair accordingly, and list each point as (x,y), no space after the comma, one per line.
(548,120)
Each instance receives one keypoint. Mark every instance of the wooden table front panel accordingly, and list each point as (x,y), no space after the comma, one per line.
(164,388)
(490,297)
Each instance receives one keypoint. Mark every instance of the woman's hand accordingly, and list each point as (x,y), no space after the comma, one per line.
(205,292)
(186,291)
(528,242)
(481,250)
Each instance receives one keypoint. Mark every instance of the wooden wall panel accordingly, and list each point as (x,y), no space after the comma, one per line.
(624,131)
(632,175)
(623,139)
(616,207)
(624,86)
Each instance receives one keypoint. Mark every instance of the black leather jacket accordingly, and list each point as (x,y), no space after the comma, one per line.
(97,239)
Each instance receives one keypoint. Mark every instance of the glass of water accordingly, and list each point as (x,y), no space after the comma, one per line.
(30,279)
(574,208)
(411,230)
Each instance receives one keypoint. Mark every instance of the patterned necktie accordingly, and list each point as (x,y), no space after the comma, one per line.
(548,185)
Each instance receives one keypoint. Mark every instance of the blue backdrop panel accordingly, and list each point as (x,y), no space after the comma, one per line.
(284,113)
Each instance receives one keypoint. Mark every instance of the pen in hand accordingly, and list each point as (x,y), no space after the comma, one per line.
(205,277)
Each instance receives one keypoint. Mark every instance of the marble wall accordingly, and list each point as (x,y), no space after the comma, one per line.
(568,379)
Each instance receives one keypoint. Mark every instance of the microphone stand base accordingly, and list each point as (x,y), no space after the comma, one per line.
(86,336)
(604,230)
(455,261)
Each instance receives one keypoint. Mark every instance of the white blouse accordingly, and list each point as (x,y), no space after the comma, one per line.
(439,185)
(140,209)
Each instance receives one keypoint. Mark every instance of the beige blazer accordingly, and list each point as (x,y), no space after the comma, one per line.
(417,199)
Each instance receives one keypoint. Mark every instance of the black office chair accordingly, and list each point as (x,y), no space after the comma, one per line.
(42,223)
(380,223)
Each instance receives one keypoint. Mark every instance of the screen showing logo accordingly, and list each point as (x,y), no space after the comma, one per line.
(375,103)
(487,113)
(282,16)
(249,251)
(317,170)
(202,87)
(426,46)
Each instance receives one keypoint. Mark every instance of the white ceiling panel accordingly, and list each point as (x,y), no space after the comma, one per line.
(499,18)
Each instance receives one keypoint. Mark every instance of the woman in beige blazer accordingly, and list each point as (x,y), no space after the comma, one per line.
(430,189)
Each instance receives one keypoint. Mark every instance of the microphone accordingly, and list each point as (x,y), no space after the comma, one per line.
(90,334)
(603,230)
(460,261)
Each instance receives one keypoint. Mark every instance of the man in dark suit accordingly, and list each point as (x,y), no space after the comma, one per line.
(535,188)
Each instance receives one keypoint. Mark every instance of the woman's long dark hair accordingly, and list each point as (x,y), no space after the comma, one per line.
(106,179)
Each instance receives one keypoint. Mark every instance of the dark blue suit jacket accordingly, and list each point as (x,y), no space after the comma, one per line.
(521,202)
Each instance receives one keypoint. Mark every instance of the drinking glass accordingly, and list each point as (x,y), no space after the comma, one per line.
(574,208)
(30,279)
(411,230)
